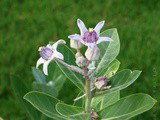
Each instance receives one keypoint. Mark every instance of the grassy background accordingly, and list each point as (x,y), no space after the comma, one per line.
(27,24)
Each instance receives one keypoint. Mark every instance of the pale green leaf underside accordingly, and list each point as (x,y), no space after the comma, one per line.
(109,50)
(67,110)
(127,107)
(121,80)
(44,103)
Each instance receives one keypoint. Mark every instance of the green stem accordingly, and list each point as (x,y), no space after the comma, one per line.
(88,92)
(88,96)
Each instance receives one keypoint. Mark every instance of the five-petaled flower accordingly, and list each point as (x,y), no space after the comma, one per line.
(89,37)
(49,53)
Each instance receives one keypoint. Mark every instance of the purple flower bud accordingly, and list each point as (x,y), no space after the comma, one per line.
(46,53)
(90,37)
(101,82)
(104,78)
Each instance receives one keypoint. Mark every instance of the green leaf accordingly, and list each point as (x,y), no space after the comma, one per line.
(39,76)
(106,100)
(127,107)
(112,68)
(110,99)
(109,50)
(67,110)
(69,58)
(20,90)
(121,80)
(44,103)
(45,88)
(83,116)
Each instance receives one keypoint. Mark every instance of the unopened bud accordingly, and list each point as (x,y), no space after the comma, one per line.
(78,54)
(92,53)
(75,44)
(101,82)
(81,61)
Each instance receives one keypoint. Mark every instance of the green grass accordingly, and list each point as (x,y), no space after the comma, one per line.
(26,24)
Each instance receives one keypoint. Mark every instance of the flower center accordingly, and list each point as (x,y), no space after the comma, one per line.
(90,36)
(45,52)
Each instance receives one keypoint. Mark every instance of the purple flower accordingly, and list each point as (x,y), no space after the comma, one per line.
(48,54)
(89,37)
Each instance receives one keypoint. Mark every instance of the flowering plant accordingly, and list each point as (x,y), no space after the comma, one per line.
(94,72)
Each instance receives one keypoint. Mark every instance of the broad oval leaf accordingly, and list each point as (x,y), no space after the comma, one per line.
(106,100)
(109,50)
(121,80)
(127,107)
(44,103)
(69,58)
(68,110)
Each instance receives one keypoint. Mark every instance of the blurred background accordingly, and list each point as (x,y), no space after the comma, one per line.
(27,24)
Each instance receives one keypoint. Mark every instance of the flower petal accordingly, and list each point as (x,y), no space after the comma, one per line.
(58,55)
(76,37)
(81,26)
(45,67)
(104,39)
(54,46)
(99,27)
(39,62)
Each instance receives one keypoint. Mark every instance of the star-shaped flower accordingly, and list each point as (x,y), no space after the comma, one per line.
(49,53)
(89,37)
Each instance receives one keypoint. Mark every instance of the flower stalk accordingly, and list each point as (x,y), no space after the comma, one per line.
(71,67)
(88,92)
(88,96)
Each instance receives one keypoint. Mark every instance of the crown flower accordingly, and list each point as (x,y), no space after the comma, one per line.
(89,36)
(49,53)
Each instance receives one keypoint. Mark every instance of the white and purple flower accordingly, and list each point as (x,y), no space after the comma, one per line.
(89,37)
(49,53)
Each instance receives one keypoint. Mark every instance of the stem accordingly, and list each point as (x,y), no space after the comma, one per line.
(71,67)
(88,96)
(88,92)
